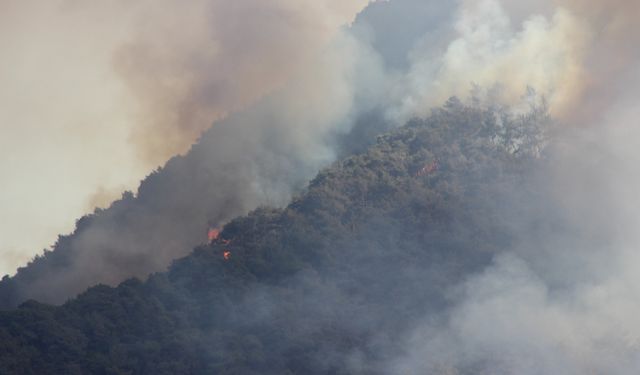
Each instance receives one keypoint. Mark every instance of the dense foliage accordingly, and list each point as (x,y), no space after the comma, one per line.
(325,285)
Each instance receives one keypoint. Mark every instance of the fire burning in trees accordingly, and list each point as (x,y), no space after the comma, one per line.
(213,234)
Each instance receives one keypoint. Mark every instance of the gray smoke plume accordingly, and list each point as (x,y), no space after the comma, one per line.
(564,300)
(191,64)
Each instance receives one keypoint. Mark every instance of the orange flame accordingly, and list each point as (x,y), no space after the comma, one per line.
(213,234)
(227,255)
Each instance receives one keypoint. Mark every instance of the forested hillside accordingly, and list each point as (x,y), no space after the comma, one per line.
(257,156)
(325,285)
(170,213)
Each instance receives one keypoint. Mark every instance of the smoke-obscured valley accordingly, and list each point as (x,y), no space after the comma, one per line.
(431,189)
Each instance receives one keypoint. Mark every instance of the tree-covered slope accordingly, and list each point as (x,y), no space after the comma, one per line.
(260,154)
(224,175)
(325,285)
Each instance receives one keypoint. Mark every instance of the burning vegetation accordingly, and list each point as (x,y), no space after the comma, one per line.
(213,234)
(214,237)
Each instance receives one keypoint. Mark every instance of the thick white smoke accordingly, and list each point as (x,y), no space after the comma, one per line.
(565,303)
(504,59)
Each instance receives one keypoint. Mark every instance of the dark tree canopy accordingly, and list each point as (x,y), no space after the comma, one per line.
(323,286)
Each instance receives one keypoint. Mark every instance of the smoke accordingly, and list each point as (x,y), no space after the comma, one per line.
(258,156)
(181,67)
(192,64)
(286,80)
(565,298)
(612,59)
(97,94)
(510,321)
(503,59)
(188,66)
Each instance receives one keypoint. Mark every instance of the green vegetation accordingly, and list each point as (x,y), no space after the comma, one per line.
(323,286)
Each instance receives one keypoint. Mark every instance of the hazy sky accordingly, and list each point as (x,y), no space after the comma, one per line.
(63,124)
